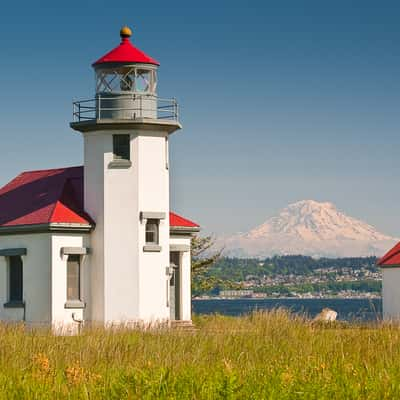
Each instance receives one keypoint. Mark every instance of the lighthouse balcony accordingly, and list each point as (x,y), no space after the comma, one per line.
(125,107)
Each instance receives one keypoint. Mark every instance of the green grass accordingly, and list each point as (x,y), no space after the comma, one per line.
(262,356)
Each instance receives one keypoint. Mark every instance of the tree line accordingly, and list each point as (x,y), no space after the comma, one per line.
(238,269)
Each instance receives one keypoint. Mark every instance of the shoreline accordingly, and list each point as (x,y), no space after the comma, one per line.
(290,298)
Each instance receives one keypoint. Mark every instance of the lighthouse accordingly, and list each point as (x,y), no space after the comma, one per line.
(98,244)
(126,179)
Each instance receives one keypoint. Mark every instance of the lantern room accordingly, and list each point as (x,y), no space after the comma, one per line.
(126,82)
(126,79)
(126,88)
(126,69)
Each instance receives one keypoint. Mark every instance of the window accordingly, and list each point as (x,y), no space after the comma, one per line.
(126,79)
(126,83)
(73,278)
(143,80)
(15,279)
(152,231)
(121,147)
(151,221)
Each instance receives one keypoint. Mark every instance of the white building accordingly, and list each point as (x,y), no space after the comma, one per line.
(390,264)
(98,243)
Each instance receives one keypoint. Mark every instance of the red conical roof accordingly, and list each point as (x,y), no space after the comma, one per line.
(126,52)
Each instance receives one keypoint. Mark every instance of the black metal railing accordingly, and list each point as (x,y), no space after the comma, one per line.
(127,107)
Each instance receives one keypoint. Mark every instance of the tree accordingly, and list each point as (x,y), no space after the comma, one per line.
(203,258)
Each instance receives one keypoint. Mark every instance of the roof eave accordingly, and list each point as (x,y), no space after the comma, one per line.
(144,124)
(184,229)
(48,227)
(389,266)
(112,63)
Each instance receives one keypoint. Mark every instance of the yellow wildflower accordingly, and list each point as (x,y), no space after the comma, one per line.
(75,373)
(286,377)
(41,362)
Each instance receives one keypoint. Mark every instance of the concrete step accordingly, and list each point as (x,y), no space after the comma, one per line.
(183,325)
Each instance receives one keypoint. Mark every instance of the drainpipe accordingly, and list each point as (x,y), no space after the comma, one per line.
(79,321)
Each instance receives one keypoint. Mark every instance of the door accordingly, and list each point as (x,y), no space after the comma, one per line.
(175,287)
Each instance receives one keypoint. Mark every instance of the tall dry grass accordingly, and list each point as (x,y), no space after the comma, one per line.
(266,355)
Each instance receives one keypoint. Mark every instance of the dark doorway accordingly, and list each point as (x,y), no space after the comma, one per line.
(175,286)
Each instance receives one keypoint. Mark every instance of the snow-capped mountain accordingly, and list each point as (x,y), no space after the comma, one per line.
(310,228)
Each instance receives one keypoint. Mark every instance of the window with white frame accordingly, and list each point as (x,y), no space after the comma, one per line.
(73,278)
(152,231)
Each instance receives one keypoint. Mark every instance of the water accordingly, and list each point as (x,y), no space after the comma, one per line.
(347,309)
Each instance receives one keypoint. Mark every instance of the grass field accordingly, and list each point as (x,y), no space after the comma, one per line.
(263,356)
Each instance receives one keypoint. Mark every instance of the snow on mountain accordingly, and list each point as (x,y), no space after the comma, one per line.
(310,228)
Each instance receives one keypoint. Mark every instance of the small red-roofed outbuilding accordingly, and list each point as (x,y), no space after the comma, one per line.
(390,264)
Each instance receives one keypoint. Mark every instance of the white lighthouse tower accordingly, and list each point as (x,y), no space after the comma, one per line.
(126,187)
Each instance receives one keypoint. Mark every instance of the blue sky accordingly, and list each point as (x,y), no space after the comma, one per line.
(280,101)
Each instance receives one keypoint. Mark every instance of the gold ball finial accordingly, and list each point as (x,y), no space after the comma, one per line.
(125,32)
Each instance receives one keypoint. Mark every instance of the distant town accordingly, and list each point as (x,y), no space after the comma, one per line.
(294,276)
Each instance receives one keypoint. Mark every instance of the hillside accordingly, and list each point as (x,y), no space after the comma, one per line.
(295,276)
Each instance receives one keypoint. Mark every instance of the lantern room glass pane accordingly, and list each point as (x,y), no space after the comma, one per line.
(154,88)
(143,80)
(126,82)
(126,79)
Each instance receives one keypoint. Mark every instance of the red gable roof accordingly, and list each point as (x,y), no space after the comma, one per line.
(44,197)
(391,258)
(126,53)
(177,220)
(52,196)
